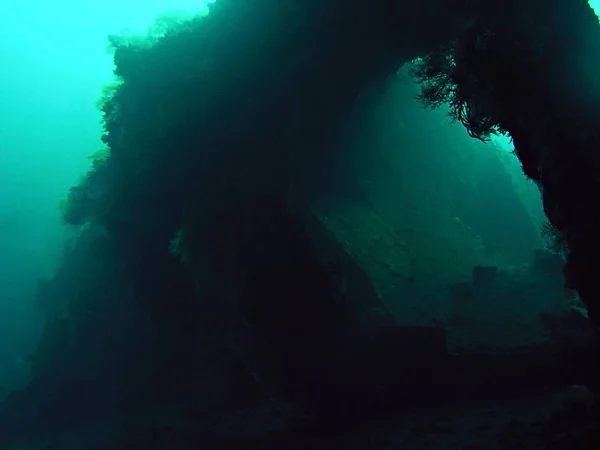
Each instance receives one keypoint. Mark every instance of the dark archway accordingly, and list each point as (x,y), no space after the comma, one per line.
(215,134)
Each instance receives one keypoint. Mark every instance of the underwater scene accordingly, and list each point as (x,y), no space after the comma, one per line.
(300,224)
